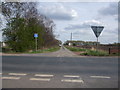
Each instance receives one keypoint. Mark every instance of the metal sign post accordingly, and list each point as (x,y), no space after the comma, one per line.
(97,31)
(97,45)
(36,36)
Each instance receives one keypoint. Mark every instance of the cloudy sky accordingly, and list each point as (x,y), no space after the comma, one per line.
(77,17)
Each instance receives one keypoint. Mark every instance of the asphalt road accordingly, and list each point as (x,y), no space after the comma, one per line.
(59,72)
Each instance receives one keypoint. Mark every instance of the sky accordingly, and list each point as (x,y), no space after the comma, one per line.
(77,17)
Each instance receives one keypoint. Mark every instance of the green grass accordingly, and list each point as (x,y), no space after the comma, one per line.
(88,52)
(95,53)
(115,54)
(76,49)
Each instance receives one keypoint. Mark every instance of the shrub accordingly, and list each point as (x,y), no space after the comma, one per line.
(76,49)
(95,53)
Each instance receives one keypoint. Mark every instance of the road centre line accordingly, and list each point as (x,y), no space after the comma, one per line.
(71,76)
(15,78)
(69,80)
(44,75)
(100,77)
(19,74)
(39,79)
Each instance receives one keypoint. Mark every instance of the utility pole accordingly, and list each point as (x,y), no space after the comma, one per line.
(71,37)
(70,43)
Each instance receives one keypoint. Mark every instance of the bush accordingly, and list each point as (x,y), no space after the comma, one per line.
(53,49)
(76,49)
(95,53)
(88,52)
(5,50)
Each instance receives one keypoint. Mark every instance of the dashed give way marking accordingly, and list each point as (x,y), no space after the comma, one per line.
(70,76)
(69,80)
(19,74)
(100,77)
(15,78)
(44,75)
(39,79)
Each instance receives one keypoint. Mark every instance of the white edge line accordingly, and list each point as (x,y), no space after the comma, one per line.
(44,75)
(19,74)
(39,79)
(100,77)
(15,78)
(68,80)
(70,76)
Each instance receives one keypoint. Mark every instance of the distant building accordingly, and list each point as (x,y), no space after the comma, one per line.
(70,44)
(81,43)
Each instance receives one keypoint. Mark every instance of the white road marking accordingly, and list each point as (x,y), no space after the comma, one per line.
(15,78)
(19,74)
(44,75)
(39,79)
(69,80)
(100,77)
(71,76)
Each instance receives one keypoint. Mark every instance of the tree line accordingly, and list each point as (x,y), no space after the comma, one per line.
(23,20)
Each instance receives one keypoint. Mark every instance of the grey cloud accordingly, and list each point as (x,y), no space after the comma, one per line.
(70,27)
(59,16)
(81,32)
(83,25)
(112,9)
(112,31)
(57,12)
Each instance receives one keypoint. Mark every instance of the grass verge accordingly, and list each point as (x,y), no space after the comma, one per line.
(53,49)
(95,53)
(88,52)
(76,49)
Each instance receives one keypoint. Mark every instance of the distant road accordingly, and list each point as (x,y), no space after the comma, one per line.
(63,52)
(59,72)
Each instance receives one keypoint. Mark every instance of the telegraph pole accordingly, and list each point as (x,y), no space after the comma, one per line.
(71,37)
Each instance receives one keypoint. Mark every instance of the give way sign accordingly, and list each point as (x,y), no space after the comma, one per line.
(97,30)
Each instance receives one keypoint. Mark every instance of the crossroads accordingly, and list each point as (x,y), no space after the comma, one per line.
(59,72)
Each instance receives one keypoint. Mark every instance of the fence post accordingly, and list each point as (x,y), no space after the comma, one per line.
(109,50)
